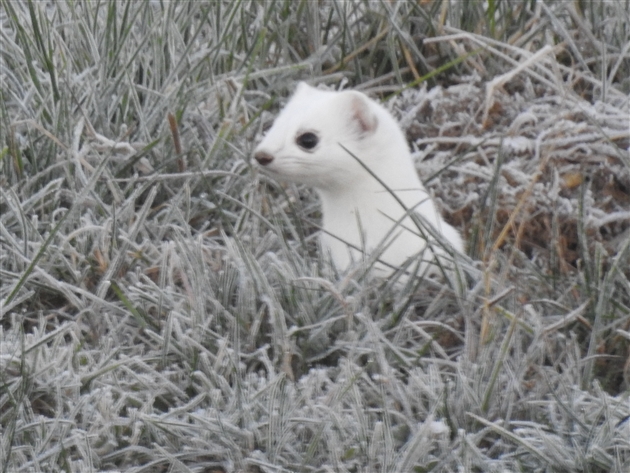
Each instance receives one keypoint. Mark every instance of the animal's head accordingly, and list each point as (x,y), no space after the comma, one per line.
(305,142)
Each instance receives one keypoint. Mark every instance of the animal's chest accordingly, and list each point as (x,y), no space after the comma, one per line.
(350,234)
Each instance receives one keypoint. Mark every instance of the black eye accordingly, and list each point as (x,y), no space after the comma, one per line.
(307,140)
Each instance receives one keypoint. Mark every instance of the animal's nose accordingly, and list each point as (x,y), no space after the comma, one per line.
(263,158)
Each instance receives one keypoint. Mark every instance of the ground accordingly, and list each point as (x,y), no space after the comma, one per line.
(164,306)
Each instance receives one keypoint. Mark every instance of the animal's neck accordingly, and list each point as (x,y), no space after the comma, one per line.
(363,209)
(371,205)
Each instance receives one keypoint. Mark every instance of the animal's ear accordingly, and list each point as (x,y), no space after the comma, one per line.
(303,88)
(363,118)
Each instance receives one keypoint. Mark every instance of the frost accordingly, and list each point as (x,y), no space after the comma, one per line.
(518,144)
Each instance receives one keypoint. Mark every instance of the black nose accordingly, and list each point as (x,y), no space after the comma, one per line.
(263,158)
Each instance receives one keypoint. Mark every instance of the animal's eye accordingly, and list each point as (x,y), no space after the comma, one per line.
(307,140)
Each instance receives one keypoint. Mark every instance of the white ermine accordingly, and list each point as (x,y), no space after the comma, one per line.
(318,139)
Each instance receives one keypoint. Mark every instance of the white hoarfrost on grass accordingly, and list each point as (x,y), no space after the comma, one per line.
(164,308)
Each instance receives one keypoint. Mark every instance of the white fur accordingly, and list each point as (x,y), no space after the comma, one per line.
(357,209)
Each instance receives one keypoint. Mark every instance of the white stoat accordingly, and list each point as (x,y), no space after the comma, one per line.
(317,139)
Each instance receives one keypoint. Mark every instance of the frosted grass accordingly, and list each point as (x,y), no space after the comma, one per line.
(164,306)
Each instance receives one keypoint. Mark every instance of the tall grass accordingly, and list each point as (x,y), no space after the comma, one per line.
(165,308)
